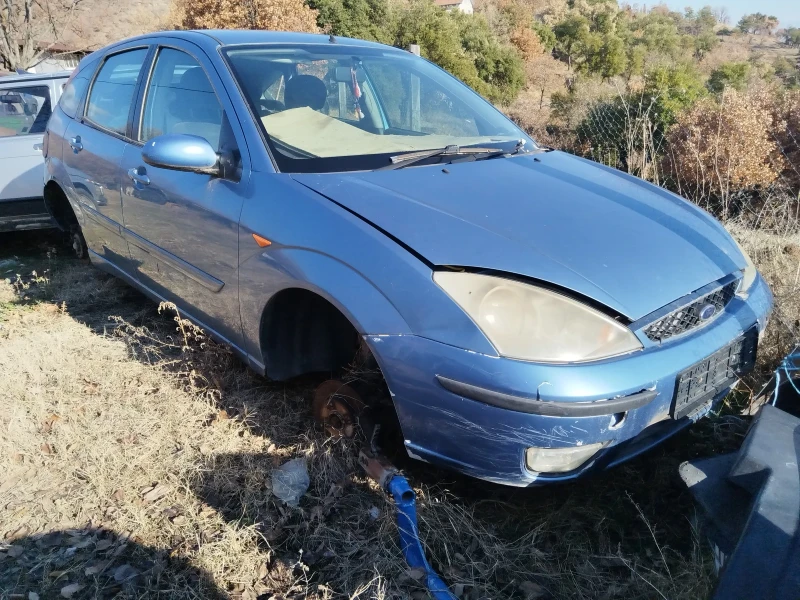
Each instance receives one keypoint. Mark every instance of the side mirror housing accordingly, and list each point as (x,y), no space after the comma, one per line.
(182,152)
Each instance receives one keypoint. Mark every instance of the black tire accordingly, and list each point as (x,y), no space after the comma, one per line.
(78,242)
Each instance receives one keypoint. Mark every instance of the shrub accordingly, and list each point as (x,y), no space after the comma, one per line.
(284,15)
(787,71)
(546,36)
(786,119)
(672,89)
(723,146)
(364,19)
(729,75)
(527,42)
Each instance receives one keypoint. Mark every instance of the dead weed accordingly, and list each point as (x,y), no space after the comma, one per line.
(136,459)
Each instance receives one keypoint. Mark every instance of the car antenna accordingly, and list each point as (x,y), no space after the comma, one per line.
(332,39)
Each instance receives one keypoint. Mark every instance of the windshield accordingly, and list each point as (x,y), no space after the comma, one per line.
(329,107)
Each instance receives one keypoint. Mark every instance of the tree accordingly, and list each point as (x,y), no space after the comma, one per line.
(704,43)
(706,21)
(497,65)
(25,25)
(364,19)
(758,23)
(672,89)
(787,71)
(790,36)
(722,15)
(281,15)
(546,35)
(438,35)
(571,33)
(733,74)
(604,55)
(660,34)
(527,42)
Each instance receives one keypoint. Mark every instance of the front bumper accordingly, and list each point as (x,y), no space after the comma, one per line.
(489,441)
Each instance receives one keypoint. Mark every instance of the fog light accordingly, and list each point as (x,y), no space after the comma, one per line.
(560,460)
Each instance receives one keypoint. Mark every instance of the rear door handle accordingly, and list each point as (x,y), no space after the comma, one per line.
(38,147)
(139,177)
(75,144)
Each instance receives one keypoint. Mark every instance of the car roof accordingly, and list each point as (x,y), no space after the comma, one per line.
(230,37)
(227,37)
(26,77)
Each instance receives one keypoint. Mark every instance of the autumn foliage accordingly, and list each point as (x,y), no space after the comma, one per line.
(721,146)
(276,15)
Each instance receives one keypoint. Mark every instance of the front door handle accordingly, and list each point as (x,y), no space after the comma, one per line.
(139,175)
(38,147)
(75,144)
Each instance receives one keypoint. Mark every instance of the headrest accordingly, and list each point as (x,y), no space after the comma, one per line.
(305,90)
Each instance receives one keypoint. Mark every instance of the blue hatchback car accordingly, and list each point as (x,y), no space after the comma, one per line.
(535,315)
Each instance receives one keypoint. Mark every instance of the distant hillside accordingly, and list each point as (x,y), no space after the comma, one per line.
(100,22)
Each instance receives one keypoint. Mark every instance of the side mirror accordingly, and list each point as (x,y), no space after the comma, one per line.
(181,152)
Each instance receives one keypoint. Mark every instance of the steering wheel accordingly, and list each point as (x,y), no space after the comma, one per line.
(268,107)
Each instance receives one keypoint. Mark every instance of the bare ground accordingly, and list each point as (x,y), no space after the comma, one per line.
(136,460)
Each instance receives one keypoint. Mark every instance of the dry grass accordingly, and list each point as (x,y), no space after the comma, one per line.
(778,259)
(136,461)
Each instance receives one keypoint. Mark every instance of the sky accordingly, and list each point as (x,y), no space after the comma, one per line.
(787,11)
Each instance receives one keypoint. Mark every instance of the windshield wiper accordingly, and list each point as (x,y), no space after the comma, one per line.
(410,158)
(466,154)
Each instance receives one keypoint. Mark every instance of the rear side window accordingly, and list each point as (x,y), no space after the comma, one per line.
(74,91)
(24,110)
(113,89)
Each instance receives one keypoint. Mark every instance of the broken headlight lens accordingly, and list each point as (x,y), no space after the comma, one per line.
(748,273)
(535,324)
(560,460)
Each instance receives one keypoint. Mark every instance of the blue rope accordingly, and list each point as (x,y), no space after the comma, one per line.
(405,499)
(787,366)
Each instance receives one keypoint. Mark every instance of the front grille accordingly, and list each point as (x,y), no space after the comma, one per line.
(690,316)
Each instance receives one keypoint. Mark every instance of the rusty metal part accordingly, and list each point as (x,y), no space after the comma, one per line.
(377,467)
(337,406)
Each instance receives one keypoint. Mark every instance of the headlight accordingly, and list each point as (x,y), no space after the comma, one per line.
(560,460)
(748,274)
(531,323)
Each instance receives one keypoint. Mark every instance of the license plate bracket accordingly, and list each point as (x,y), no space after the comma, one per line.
(701,382)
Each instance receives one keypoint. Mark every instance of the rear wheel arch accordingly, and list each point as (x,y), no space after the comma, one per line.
(57,203)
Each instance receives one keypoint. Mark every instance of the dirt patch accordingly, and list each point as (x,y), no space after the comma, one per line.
(137,460)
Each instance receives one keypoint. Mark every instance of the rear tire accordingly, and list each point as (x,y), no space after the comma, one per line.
(78,242)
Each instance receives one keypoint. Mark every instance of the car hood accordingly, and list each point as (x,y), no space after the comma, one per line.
(603,234)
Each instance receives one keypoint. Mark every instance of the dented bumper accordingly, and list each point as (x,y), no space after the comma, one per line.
(480,414)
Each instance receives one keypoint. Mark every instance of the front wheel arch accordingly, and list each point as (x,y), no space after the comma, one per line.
(302,332)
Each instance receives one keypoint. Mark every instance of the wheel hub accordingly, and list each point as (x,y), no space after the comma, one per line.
(336,407)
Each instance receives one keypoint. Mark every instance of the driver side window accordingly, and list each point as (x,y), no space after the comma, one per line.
(180,99)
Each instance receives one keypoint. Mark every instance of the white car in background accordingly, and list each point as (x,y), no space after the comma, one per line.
(26,102)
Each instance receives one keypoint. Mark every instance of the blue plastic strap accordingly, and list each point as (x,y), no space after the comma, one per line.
(406,502)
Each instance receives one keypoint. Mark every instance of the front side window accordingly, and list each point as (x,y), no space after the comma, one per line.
(24,110)
(112,92)
(338,108)
(180,99)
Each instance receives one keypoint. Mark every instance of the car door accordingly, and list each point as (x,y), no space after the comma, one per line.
(24,111)
(182,227)
(96,142)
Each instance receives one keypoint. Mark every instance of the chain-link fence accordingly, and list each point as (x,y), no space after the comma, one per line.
(736,155)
